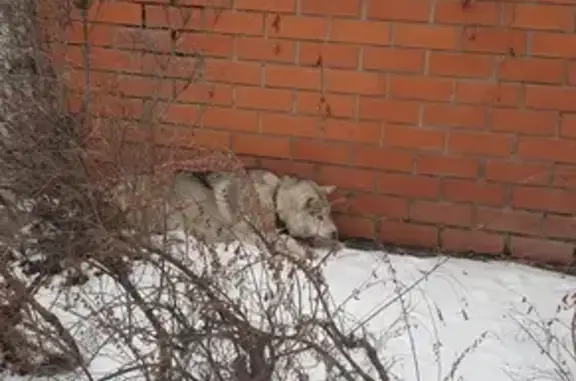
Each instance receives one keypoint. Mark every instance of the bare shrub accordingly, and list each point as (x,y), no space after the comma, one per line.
(555,339)
(83,297)
(181,309)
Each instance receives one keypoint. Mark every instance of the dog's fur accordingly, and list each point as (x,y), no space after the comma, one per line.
(222,206)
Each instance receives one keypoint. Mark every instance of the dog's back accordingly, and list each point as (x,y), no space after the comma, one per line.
(184,202)
(222,206)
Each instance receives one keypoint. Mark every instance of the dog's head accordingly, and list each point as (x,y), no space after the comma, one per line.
(304,208)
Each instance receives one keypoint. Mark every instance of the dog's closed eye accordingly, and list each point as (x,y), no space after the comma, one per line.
(310,203)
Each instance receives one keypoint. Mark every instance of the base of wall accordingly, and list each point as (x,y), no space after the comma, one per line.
(364,244)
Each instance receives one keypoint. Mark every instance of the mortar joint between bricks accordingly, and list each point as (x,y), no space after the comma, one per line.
(294,96)
(427,55)
(489,115)
(291,143)
(381,137)
(481,175)
(496,62)
(413,170)
(356,112)
(508,195)
(259,121)
(474,217)
(528,43)
(143,17)
(565,72)
(377,223)
(262,74)
(432,14)
(297,52)
(462,31)
(550,180)
(558,124)
(328,33)
(507,245)
(421,117)
(363,9)
(392,28)
(440,237)
(233,96)
(515,145)
(265,17)
(360,59)
(453,94)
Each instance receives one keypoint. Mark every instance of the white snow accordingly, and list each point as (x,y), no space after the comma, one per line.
(422,313)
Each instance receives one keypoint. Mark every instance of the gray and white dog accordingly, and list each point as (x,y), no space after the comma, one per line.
(220,207)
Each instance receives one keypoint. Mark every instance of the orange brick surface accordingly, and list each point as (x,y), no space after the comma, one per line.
(446,125)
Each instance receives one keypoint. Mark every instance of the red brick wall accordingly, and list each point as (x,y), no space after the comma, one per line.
(452,124)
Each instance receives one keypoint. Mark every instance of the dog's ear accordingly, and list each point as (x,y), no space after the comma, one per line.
(328,189)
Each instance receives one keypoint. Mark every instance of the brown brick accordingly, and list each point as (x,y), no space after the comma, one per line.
(488,93)
(289,125)
(347,178)
(426,36)
(321,152)
(420,88)
(361,32)
(378,205)
(472,240)
(547,200)
(389,110)
(292,77)
(393,59)
(514,172)
(552,150)
(260,145)
(408,10)
(409,185)
(264,49)
(387,159)
(322,105)
(508,221)
(296,27)
(535,70)
(461,65)
(452,12)
(281,6)
(354,82)
(494,40)
(467,117)
(563,227)
(539,250)
(355,227)
(402,136)
(409,234)
(495,145)
(542,16)
(441,213)
(526,122)
(353,132)
(329,55)
(473,191)
(263,99)
(349,8)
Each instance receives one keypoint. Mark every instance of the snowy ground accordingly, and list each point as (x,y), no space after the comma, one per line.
(514,310)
